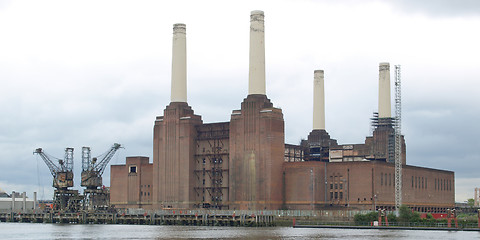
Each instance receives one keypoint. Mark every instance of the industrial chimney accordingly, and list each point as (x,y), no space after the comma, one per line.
(179,64)
(256,82)
(384,106)
(318,100)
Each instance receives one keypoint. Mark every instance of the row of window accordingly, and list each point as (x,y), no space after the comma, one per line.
(388,179)
(443,184)
(336,185)
(419,182)
(336,195)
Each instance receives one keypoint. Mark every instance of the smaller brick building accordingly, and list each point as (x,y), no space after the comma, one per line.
(131,183)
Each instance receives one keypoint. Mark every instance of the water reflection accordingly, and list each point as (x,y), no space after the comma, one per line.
(66,231)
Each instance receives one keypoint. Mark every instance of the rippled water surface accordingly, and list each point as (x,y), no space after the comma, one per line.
(77,231)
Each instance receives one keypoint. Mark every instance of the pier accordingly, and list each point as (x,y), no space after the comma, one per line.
(192,218)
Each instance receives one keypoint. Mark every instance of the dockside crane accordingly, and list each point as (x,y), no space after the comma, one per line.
(64,199)
(96,196)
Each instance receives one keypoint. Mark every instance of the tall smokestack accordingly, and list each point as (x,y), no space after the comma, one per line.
(384,106)
(318,100)
(256,80)
(179,64)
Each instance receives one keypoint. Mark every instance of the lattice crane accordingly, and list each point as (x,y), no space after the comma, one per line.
(64,199)
(96,196)
(93,168)
(63,171)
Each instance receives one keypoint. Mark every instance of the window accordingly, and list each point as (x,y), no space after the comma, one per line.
(341,195)
(381,179)
(331,195)
(336,195)
(341,185)
(331,185)
(132,169)
(336,186)
(412,182)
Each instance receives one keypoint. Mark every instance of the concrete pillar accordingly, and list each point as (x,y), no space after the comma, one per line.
(318,101)
(384,105)
(256,78)
(179,64)
(13,201)
(34,200)
(24,202)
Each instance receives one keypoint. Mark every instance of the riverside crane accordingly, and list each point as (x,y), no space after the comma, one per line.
(64,199)
(95,195)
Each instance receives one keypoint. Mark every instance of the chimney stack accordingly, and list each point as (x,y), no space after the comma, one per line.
(179,64)
(318,101)
(384,105)
(256,80)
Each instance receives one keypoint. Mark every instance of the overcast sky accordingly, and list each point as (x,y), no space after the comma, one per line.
(92,73)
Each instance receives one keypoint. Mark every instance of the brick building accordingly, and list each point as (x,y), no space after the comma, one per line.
(245,163)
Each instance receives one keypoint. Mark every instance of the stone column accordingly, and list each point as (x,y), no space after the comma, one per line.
(384,105)
(179,64)
(256,78)
(318,101)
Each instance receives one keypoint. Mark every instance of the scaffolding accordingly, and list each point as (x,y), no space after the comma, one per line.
(293,153)
(211,168)
(398,139)
(386,125)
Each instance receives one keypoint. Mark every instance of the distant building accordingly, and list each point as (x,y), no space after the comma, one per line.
(245,163)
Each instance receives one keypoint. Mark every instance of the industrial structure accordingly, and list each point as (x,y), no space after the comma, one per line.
(64,198)
(96,196)
(245,163)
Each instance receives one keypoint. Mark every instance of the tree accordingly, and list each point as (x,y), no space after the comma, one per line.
(470,202)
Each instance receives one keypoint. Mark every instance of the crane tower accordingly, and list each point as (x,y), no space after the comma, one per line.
(398,140)
(96,196)
(64,199)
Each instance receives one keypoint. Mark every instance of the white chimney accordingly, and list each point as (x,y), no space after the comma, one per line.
(256,80)
(179,64)
(384,105)
(318,100)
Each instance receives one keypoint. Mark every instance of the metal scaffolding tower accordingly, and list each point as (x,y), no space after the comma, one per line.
(398,140)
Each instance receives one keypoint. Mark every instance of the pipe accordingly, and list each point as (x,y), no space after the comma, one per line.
(34,200)
(179,64)
(256,78)
(13,201)
(318,101)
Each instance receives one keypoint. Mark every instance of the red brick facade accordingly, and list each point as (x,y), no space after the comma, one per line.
(366,185)
(131,184)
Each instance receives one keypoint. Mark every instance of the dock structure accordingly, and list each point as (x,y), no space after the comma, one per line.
(189,218)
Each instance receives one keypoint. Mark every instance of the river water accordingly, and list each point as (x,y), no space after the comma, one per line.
(79,231)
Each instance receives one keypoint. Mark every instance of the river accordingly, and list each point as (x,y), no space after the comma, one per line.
(79,231)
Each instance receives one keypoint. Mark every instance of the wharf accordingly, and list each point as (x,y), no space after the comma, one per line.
(172,218)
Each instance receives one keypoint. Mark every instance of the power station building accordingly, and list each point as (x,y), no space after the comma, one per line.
(245,163)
